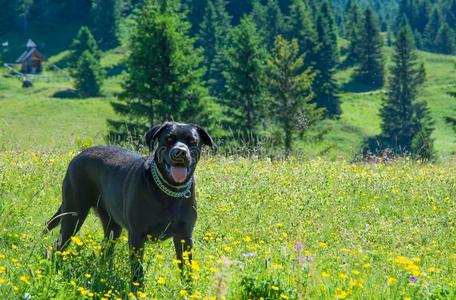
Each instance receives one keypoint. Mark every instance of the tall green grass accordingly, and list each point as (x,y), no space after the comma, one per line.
(284,230)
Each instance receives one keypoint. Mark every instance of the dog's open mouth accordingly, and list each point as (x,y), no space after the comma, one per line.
(177,173)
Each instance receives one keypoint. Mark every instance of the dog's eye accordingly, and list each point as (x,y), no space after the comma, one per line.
(192,141)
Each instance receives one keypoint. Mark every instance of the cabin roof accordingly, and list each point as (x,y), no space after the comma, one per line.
(31,44)
(28,53)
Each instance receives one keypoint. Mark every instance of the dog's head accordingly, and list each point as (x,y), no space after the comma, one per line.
(177,148)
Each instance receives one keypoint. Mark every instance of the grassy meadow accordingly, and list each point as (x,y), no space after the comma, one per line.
(33,118)
(278,230)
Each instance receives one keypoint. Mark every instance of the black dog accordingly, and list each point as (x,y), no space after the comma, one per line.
(150,197)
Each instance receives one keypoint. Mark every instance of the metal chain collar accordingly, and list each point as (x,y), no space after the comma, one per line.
(160,181)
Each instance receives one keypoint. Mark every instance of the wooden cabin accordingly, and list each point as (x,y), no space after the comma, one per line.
(31,60)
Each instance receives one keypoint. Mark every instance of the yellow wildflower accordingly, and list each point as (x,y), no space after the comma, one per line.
(325,274)
(77,241)
(343,275)
(24,278)
(183,293)
(161,280)
(277,266)
(341,295)
(392,280)
(195,266)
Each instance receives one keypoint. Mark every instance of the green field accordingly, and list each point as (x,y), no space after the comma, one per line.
(32,119)
(278,230)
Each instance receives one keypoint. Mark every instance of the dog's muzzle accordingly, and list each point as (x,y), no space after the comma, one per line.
(180,162)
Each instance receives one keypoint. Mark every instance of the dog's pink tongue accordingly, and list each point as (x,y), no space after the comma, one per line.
(179,174)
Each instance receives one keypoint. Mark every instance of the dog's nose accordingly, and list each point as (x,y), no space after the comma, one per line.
(180,152)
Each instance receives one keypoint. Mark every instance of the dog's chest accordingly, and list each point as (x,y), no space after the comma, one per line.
(172,221)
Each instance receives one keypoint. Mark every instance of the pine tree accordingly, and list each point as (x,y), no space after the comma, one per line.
(274,21)
(432,29)
(76,8)
(164,78)
(328,27)
(301,27)
(7,15)
(88,75)
(406,122)
(269,20)
(424,11)
(407,9)
(354,34)
(244,79)
(213,38)
(105,15)
(290,89)
(445,40)
(285,6)
(258,16)
(371,63)
(324,85)
(451,14)
(238,8)
(84,41)
(195,10)
(22,11)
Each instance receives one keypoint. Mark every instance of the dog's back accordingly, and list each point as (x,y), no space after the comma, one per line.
(87,176)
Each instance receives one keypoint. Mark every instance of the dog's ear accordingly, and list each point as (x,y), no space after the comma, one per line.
(153,134)
(205,137)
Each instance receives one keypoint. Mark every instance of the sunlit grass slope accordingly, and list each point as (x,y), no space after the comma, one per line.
(360,118)
(31,117)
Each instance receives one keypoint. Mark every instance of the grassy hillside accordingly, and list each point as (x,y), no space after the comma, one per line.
(360,118)
(283,230)
(32,118)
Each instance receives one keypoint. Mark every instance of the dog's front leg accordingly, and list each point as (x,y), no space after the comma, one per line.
(183,246)
(136,244)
